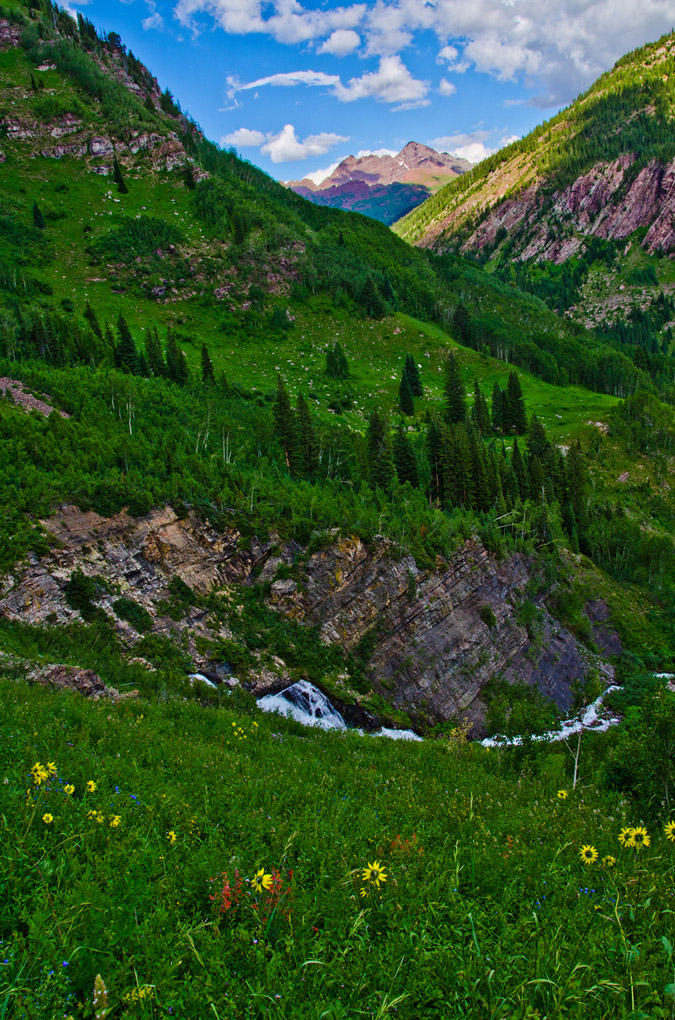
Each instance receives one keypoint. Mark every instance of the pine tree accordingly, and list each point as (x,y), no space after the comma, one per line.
(208,375)
(405,397)
(153,354)
(370,300)
(118,178)
(404,459)
(461,325)
(455,395)
(176,364)
(126,355)
(285,425)
(519,471)
(411,370)
(38,218)
(517,418)
(189,177)
(497,417)
(433,449)
(537,481)
(307,440)
(578,487)
(90,315)
(537,443)
(480,489)
(378,452)
(480,413)
(337,366)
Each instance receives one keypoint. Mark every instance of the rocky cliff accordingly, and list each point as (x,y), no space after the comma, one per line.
(436,637)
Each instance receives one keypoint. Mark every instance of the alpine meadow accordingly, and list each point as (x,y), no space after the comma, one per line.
(337,561)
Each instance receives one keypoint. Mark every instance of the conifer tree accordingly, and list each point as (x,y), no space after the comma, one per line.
(307,440)
(433,449)
(370,300)
(337,366)
(412,372)
(461,325)
(118,178)
(38,218)
(176,364)
(517,418)
(480,413)
(455,395)
(285,424)
(405,397)
(537,443)
(404,458)
(537,482)
(497,416)
(126,355)
(519,471)
(189,177)
(578,484)
(90,315)
(208,375)
(378,452)
(153,354)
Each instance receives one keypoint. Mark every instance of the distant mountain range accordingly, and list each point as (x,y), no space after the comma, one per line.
(384,187)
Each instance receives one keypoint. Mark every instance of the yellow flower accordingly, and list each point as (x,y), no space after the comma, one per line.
(374,873)
(115,821)
(100,818)
(51,768)
(47,818)
(669,830)
(640,837)
(608,861)
(626,836)
(261,881)
(588,854)
(91,786)
(562,794)
(171,836)
(69,789)
(39,773)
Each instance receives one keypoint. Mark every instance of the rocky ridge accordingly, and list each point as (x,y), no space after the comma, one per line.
(438,636)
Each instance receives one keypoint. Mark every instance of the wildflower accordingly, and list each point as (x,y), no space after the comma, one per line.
(100,818)
(92,814)
(588,854)
(374,873)
(669,831)
(47,818)
(39,774)
(626,836)
(171,836)
(51,768)
(91,786)
(69,790)
(640,837)
(608,861)
(261,882)
(115,821)
(562,794)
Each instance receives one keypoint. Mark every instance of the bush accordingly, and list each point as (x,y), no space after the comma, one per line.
(135,614)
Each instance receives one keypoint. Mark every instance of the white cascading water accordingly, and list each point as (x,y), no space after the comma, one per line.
(589,719)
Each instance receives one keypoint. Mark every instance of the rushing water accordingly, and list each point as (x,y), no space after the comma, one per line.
(594,718)
(308,705)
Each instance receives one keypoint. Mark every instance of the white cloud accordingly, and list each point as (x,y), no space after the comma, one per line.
(244,138)
(446,88)
(556,46)
(286,147)
(340,42)
(391,83)
(376,152)
(317,176)
(466,146)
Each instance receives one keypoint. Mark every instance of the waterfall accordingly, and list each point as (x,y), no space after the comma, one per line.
(304,702)
(590,719)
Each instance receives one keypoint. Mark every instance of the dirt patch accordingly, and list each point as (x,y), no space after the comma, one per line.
(22,398)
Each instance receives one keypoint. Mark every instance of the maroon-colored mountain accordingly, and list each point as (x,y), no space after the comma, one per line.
(384,187)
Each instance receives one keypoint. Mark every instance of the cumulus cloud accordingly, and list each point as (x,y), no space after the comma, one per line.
(286,147)
(376,152)
(244,138)
(557,46)
(317,176)
(340,42)
(391,83)
(467,146)
(446,88)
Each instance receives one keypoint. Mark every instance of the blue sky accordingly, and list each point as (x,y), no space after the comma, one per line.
(295,87)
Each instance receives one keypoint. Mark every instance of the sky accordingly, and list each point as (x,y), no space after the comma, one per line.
(296,87)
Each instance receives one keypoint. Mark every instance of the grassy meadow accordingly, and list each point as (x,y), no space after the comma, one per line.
(167,860)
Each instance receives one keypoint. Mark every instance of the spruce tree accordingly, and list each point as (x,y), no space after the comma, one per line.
(480,489)
(517,418)
(90,315)
(405,397)
(118,178)
(208,375)
(480,413)
(404,459)
(153,354)
(537,443)
(411,370)
(433,449)
(455,395)
(38,218)
(176,364)
(126,355)
(370,300)
(578,487)
(307,440)
(285,425)
(537,481)
(497,416)
(337,366)
(189,177)
(378,453)
(519,471)
(461,325)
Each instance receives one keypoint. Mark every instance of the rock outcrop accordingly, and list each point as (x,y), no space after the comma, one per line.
(437,637)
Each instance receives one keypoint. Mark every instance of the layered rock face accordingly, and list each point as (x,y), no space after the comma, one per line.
(438,637)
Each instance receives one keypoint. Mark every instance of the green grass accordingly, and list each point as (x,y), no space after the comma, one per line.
(486,911)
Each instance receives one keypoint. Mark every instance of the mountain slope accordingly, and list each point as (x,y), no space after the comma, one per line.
(384,187)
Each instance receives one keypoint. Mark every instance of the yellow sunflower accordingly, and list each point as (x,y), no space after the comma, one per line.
(669,831)
(562,794)
(91,786)
(374,873)
(608,861)
(640,837)
(261,881)
(588,854)
(69,790)
(47,818)
(626,836)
